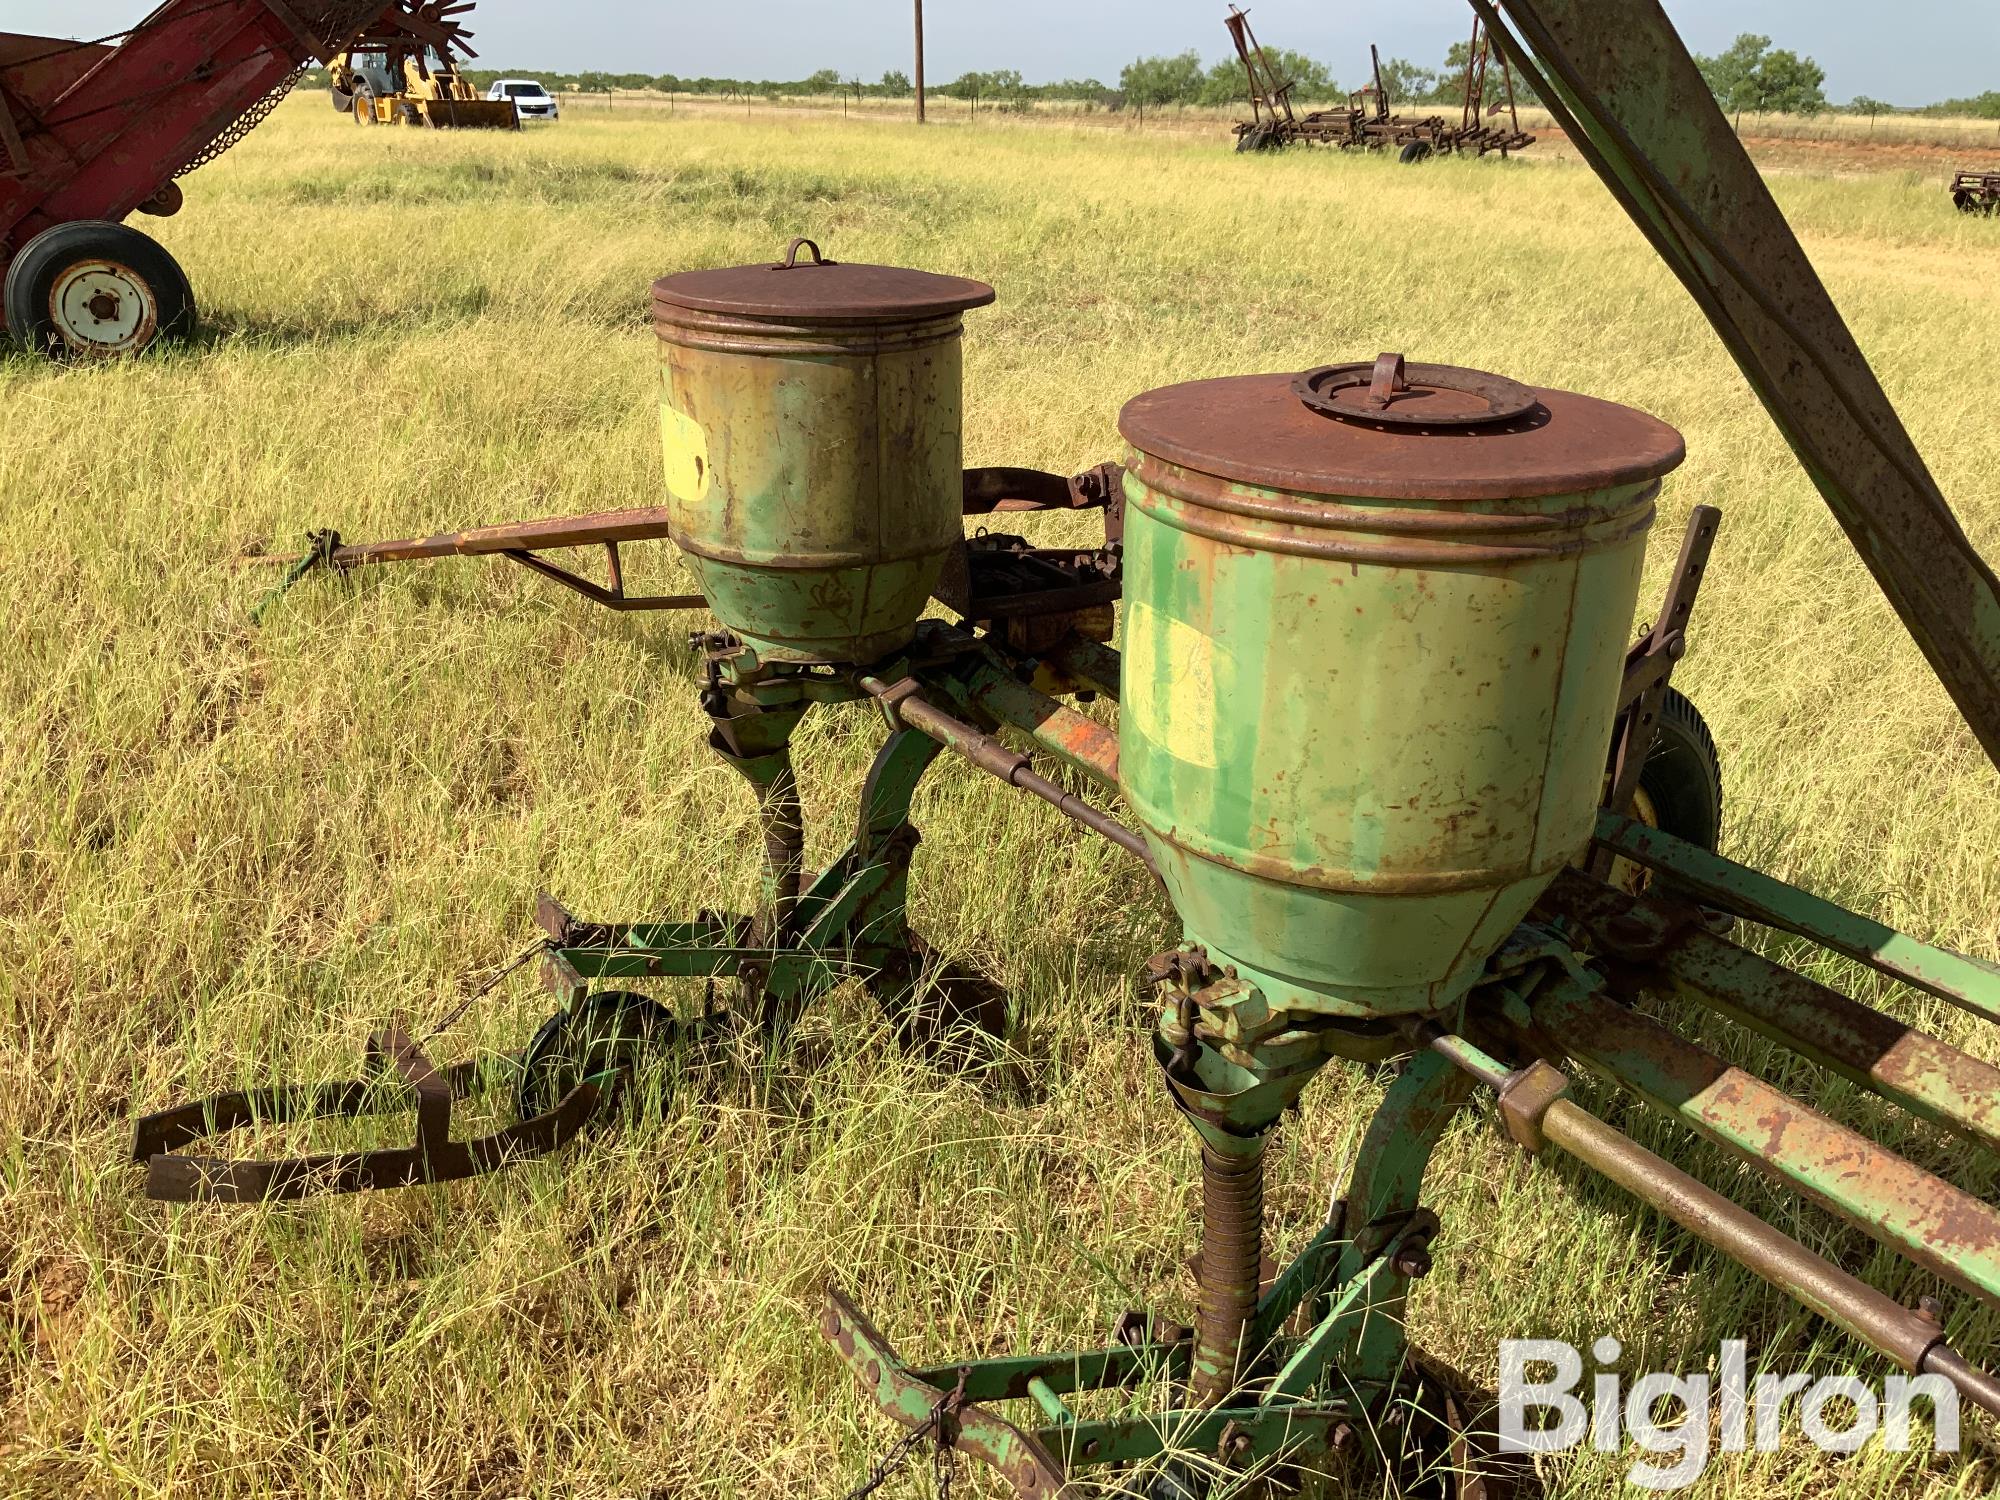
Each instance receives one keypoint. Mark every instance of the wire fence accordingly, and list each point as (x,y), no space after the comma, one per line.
(1962,133)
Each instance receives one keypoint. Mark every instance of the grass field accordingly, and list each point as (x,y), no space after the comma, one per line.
(228,853)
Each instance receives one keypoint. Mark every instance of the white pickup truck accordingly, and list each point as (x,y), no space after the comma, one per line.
(531,100)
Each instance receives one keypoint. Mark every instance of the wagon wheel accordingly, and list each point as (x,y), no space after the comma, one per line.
(612,1029)
(1414,152)
(93,289)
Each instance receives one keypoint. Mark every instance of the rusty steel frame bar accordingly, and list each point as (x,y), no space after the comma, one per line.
(1968,983)
(903,702)
(1908,1337)
(435,1156)
(1619,81)
(1661,944)
(1273,93)
(1916,1213)
(1077,740)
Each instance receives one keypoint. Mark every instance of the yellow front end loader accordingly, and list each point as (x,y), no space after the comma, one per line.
(421,87)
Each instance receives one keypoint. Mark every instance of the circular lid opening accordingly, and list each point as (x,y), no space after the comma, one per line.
(803,285)
(1390,393)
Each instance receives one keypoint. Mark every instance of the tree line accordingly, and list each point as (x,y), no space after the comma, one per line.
(1750,76)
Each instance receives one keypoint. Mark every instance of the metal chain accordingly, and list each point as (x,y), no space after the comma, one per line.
(248,121)
(893,1461)
(457,1012)
(944,1453)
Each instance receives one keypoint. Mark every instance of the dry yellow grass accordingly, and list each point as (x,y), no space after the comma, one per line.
(228,852)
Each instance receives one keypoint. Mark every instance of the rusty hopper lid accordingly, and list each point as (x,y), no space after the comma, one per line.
(1386,430)
(814,289)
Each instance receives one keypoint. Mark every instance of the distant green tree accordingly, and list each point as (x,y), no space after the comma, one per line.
(1407,83)
(1984,106)
(894,82)
(1226,83)
(1862,104)
(1752,75)
(1162,80)
(825,81)
(1450,87)
(967,86)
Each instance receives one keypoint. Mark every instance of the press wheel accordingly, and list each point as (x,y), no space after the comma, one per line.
(1680,787)
(612,1029)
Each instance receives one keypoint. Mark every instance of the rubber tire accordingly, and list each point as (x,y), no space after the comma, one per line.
(364,117)
(1683,775)
(1414,152)
(34,272)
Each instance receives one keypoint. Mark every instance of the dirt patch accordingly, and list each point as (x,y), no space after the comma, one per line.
(1862,156)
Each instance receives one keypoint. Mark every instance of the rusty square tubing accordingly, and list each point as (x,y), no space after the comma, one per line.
(984,491)
(1969,983)
(1900,1063)
(1077,740)
(1913,1341)
(1914,1212)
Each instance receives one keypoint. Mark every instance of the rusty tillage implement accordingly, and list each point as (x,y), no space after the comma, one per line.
(1976,192)
(92,132)
(1368,123)
(1385,738)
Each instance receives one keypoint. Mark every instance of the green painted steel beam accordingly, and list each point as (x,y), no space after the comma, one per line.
(1622,86)
(1921,1216)
(1260,1433)
(1008,1377)
(1341,1328)
(1756,897)
(1899,1063)
(1075,739)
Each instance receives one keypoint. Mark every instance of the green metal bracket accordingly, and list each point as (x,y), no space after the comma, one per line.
(1756,897)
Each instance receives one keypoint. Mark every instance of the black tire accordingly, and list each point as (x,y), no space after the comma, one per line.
(611,1029)
(1414,152)
(363,107)
(1681,783)
(94,289)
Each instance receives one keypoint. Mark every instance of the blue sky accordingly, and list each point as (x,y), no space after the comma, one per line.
(1907,53)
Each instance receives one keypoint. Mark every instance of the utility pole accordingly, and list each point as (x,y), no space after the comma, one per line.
(920,62)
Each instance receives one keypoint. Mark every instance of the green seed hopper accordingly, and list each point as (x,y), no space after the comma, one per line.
(1417,792)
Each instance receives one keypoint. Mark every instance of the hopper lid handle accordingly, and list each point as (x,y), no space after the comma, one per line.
(791,260)
(1387,379)
(1391,393)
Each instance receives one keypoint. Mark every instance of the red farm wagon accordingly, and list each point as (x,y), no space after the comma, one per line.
(93,132)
